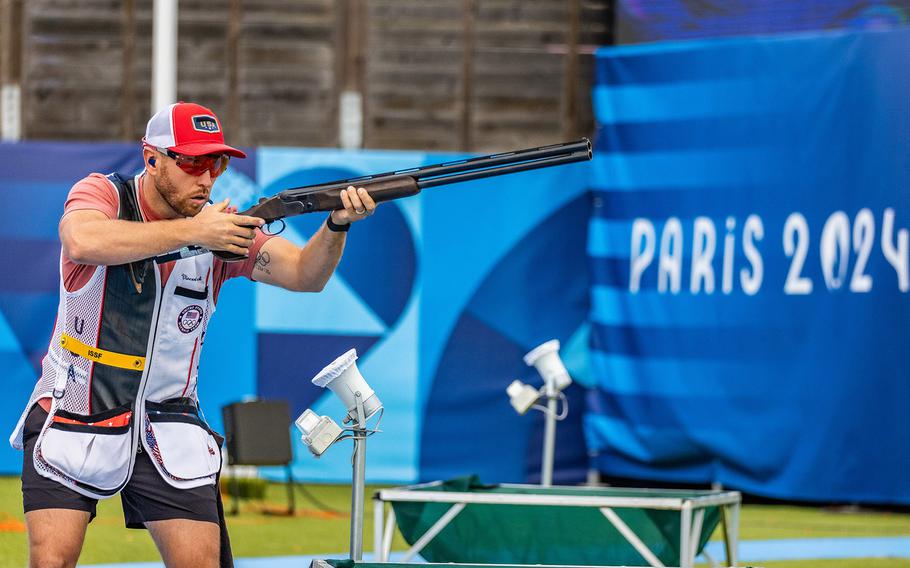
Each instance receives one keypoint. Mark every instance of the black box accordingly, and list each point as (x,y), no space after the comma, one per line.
(258,432)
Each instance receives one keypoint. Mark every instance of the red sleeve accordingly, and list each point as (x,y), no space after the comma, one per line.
(227,270)
(245,268)
(94,192)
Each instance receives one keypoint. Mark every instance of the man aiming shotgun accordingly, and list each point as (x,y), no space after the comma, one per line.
(116,408)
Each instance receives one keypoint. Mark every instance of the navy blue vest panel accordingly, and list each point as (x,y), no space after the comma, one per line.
(126,317)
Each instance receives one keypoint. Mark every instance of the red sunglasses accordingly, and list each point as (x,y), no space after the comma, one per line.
(195,166)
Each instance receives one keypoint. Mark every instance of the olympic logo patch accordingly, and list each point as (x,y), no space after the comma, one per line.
(190,318)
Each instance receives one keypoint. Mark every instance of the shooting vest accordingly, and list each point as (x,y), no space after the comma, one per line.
(121,371)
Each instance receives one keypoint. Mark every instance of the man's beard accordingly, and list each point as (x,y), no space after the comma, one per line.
(169,193)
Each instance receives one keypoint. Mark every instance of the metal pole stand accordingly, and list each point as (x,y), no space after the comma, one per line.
(549,437)
(359,482)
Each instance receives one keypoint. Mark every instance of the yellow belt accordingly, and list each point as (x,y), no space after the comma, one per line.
(102,356)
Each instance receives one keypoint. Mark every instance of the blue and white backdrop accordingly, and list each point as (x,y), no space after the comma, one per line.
(729,280)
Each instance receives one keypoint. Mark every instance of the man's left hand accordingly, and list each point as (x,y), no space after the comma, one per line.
(358,205)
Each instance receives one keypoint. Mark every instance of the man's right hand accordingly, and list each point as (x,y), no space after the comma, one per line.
(216,228)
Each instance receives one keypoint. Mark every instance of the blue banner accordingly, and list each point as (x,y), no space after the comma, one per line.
(751,267)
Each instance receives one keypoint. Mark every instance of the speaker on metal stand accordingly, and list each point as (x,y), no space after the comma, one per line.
(258,433)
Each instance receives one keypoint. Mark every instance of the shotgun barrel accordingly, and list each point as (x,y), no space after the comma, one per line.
(458,170)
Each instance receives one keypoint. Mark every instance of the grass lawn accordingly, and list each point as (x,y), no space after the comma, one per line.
(766,522)
(314,530)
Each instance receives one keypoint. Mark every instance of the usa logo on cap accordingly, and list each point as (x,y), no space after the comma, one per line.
(188,128)
(205,123)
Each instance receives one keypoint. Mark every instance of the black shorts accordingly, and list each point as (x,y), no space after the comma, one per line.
(146,497)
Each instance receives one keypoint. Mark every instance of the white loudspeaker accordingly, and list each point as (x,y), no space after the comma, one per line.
(343,378)
(545,358)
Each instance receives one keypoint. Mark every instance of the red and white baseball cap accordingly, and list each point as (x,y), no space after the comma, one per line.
(188,128)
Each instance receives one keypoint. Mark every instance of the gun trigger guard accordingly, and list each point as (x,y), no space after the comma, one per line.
(268,227)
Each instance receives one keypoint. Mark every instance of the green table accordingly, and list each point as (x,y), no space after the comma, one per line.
(461,521)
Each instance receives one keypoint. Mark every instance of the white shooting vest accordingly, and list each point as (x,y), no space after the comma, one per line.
(121,371)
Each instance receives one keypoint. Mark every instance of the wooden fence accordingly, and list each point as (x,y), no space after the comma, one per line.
(474,75)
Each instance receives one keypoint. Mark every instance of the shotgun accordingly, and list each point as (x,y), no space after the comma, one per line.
(404,183)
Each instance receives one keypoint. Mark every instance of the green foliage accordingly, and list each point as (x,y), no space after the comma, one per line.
(244,487)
